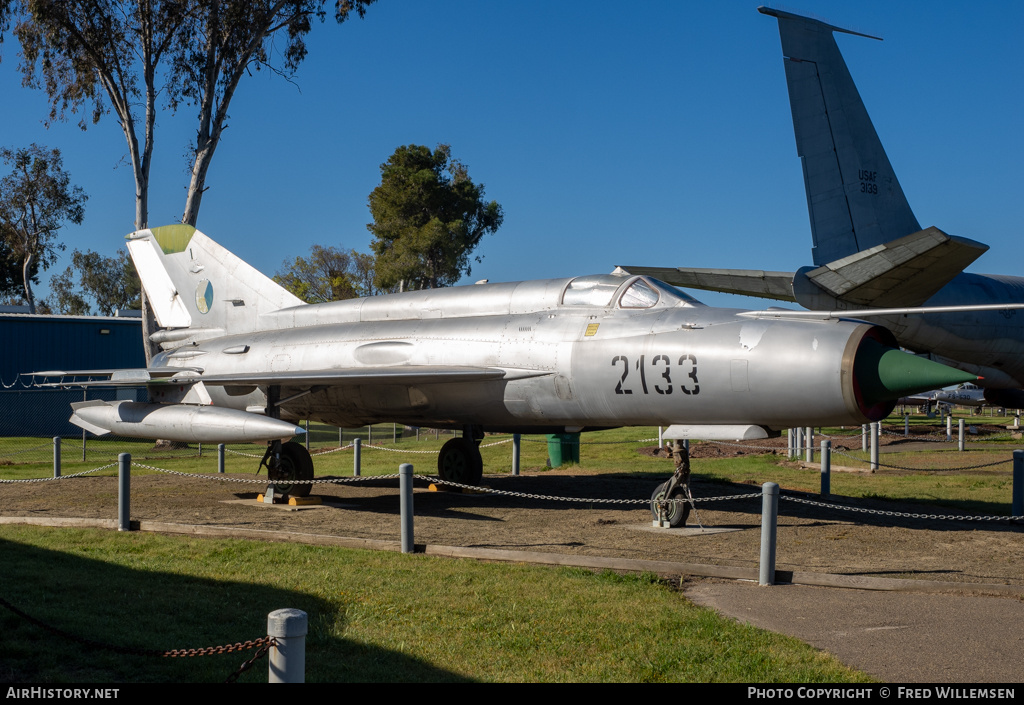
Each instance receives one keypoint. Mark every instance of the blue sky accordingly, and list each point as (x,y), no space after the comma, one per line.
(653,133)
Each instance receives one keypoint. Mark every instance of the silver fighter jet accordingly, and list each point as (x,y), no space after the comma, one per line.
(869,250)
(242,360)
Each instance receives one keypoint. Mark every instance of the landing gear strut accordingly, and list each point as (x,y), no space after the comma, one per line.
(287,463)
(460,460)
(678,488)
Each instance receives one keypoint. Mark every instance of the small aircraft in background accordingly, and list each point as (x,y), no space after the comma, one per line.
(242,359)
(869,252)
(962,395)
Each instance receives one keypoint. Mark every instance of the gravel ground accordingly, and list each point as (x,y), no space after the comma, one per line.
(810,538)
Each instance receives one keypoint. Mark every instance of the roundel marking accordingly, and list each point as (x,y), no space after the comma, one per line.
(204,296)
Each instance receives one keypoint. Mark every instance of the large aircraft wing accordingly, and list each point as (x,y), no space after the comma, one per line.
(747,282)
(905,272)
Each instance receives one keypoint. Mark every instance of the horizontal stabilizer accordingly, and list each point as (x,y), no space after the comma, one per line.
(904,272)
(747,282)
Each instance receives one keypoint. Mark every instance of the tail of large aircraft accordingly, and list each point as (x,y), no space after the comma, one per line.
(869,249)
(197,288)
(853,196)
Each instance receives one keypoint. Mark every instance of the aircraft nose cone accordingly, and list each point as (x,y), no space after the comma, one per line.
(885,374)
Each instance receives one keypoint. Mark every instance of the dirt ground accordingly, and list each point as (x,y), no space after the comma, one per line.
(810,538)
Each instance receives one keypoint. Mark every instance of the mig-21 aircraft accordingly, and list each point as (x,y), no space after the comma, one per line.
(242,359)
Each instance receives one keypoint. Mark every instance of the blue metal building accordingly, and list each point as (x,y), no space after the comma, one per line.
(32,343)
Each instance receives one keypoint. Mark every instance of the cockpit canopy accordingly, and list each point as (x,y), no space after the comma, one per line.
(607,290)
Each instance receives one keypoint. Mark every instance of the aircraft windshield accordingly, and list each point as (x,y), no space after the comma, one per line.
(672,296)
(595,290)
(639,295)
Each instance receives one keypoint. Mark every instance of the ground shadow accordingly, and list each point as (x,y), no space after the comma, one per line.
(145,609)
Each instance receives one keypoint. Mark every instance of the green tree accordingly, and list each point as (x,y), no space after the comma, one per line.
(128,52)
(428,217)
(36,199)
(12,284)
(328,274)
(194,52)
(109,282)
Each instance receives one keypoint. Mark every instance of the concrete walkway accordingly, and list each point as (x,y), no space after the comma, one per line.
(896,637)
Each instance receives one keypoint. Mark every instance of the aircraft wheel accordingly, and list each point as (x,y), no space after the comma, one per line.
(295,465)
(677,513)
(459,461)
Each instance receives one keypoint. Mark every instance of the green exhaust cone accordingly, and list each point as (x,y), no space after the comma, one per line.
(885,374)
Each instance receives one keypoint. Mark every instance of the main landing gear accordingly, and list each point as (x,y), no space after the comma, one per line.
(286,463)
(678,487)
(460,461)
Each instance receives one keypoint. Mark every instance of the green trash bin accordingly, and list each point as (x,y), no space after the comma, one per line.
(563,448)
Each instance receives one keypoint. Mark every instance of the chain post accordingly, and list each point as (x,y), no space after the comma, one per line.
(288,656)
(874,446)
(769,526)
(826,468)
(1017,507)
(220,458)
(56,456)
(516,443)
(124,470)
(356,442)
(405,506)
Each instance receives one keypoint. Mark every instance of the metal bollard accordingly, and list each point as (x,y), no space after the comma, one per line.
(306,426)
(341,437)
(949,427)
(405,490)
(960,435)
(906,425)
(357,452)
(1017,504)
(220,458)
(769,526)
(516,446)
(287,662)
(874,446)
(789,443)
(809,449)
(56,456)
(864,438)
(826,468)
(661,437)
(124,469)
(798,443)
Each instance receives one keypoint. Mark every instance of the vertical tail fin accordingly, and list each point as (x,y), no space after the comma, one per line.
(854,199)
(193,283)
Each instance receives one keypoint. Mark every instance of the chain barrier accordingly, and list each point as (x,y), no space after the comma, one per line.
(61,477)
(263,644)
(593,443)
(910,515)
(27,450)
(247,455)
(526,495)
(905,467)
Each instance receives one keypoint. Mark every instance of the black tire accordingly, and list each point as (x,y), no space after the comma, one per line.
(459,461)
(295,465)
(677,512)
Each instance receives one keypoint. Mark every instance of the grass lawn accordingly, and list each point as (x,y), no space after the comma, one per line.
(373,616)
